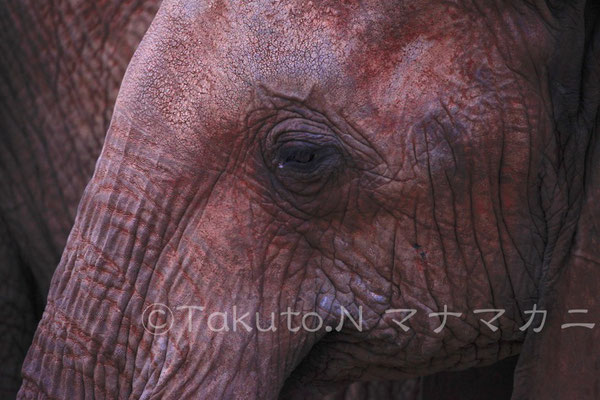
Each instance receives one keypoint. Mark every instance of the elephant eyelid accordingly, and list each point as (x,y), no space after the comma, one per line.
(305,156)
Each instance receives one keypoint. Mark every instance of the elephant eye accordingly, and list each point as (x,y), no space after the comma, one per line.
(303,157)
(296,156)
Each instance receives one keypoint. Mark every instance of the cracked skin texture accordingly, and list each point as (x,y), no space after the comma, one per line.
(314,155)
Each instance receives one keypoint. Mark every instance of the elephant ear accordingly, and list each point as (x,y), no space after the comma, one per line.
(562,361)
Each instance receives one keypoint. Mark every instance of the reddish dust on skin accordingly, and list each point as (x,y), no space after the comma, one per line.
(340,16)
(420,259)
(219,8)
(383,40)
(223,239)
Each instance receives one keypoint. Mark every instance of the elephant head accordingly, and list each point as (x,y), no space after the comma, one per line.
(308,170)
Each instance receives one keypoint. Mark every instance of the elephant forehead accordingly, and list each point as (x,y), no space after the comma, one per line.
(219,48)
(382,65)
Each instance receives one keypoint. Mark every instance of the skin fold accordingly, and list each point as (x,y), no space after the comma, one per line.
(318,155)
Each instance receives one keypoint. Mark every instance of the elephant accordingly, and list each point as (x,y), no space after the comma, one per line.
(61,68)
(53,103)
(343,161)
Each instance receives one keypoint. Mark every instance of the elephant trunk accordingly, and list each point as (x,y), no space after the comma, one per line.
(159,264)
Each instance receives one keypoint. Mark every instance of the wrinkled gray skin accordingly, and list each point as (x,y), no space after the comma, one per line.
(315,156)
(61,67)
(60,79)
